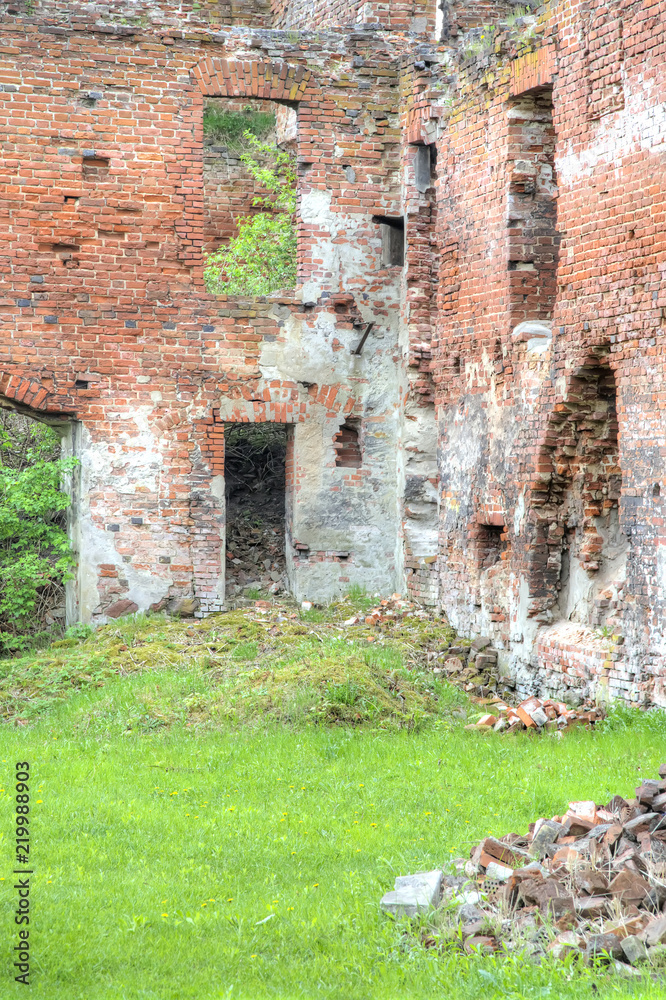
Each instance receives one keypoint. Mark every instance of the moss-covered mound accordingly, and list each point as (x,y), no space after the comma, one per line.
(262,662)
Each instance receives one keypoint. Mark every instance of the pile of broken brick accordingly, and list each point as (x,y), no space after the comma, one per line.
(591,882)
(388,611)
(474,668)
(535,714)
(255,558)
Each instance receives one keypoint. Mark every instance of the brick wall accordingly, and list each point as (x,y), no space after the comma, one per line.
(126,17)
(394,15)
(508,396)
(556,428)
(104,318)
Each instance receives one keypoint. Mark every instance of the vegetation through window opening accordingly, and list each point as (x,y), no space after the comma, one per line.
(261,258)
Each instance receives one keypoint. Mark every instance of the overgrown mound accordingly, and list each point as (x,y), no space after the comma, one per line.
(274,662)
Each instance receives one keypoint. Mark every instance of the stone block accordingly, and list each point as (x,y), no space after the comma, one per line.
(604,946)
(634,950)
(413,894)
(655,932)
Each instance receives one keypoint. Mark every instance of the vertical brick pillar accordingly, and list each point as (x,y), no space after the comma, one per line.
(207,514)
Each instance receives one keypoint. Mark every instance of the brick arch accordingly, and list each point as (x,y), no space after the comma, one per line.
(24,390)
(272,81)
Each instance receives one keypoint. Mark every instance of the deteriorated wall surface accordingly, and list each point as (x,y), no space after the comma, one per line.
(510,393)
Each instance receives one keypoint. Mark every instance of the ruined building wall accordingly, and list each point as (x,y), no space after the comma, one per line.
(550,349)
(486,190)
(105,318)
(394,15)
(129,16)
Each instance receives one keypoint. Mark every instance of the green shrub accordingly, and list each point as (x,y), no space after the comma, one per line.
(229,127)
(35,553)
(261,258)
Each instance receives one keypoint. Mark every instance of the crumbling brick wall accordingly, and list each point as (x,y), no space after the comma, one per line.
(394,15)
(511,358)
(105,319)
(480,297)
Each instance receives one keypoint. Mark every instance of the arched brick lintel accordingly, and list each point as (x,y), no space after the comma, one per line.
(272,81)
(24,391)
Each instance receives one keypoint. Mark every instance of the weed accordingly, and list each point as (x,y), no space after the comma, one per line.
(517,14)
(230,127)
(79,631)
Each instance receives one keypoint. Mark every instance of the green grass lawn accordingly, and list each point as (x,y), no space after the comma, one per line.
(182,854)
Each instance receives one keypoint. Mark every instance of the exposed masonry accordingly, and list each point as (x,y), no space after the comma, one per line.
(471,367)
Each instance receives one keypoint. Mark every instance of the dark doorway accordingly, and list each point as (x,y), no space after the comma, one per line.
(255,480)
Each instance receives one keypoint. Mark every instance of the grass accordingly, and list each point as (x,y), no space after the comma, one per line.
(229,127)
(177,858)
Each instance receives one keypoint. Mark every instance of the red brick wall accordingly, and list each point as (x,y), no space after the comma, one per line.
(103,314)
(504,403)
(229,189)
(104,317)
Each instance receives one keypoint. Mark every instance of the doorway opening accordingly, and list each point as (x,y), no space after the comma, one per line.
(36,558)
(255,457)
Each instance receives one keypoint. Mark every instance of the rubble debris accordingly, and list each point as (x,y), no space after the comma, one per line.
(388,611)
(534,714)
(413,894)
(255,557)
(475,669)
(591,882)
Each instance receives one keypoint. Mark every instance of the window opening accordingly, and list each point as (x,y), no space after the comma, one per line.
(250,232)
(533,239)
(490,543)
(424,162)
(393,240)
(347,447)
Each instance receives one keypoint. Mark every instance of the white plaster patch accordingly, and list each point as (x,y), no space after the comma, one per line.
(661,571)
(519,513)
(635,127)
